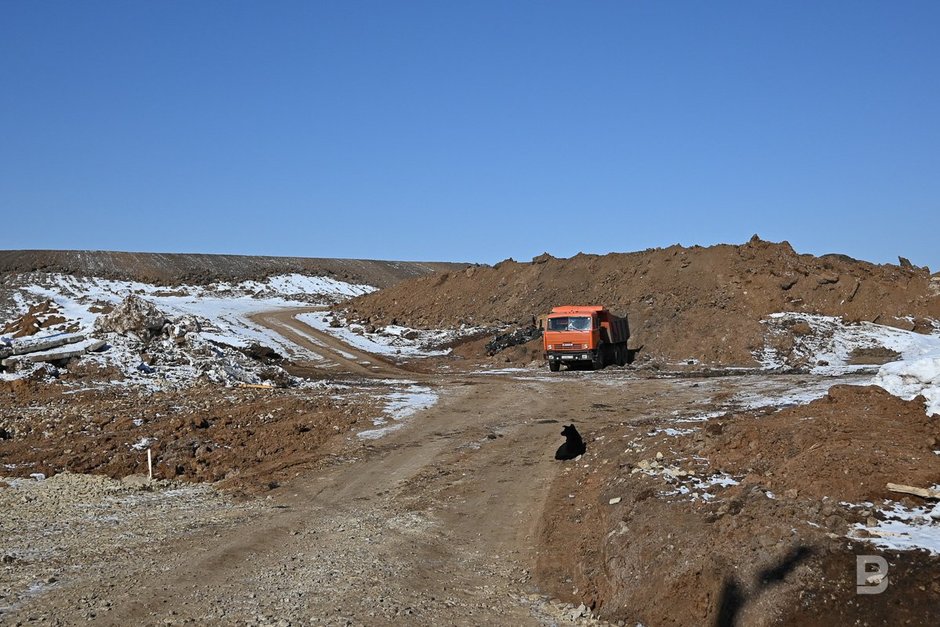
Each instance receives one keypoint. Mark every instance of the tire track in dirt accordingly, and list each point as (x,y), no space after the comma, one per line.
(347,358)
(431,519)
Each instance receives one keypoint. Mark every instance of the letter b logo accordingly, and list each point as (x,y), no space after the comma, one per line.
(871,581)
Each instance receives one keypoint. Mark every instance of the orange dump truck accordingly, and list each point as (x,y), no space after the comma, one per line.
(585,335)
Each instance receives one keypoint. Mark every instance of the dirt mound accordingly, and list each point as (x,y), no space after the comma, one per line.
(838,449)
(197,269)
(746,516)
(683,303)
(40,316)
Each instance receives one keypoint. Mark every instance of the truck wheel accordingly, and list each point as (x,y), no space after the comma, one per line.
(622,355)
(598,362)
(554,366)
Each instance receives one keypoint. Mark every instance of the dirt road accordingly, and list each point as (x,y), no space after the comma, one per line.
(435,523)
(336,356)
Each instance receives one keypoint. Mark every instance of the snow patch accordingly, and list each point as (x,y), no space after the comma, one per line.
(908,379)
(830,344)
(399,406)
(671,432)
(142,444)
(903,529)
(697,488)
(394,341)
(784,394)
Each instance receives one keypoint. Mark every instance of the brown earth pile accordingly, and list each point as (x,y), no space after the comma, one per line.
(173,269)
(835,446)
(702,303)
(770,550)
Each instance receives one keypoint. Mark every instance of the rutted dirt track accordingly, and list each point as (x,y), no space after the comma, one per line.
(338,356)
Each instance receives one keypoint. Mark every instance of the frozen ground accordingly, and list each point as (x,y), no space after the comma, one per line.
(909,378)
(903,528)
(392,341)
(222,312)
(400,405)
(831,344)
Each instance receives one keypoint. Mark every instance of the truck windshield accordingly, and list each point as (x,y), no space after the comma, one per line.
(570,323)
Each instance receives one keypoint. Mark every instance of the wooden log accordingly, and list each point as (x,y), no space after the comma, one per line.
(926,493)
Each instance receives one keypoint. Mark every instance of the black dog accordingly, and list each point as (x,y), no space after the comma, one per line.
(573,445)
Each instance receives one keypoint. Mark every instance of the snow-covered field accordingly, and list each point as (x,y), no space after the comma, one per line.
(223,308)
(830,345)
(222,312)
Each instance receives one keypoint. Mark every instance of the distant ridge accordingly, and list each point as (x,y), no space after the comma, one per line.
(197,268)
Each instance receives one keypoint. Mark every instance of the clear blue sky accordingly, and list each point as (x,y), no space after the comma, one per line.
(470,131)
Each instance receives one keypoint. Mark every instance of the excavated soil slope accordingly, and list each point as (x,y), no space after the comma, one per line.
(770,550)
(703,303)
(164,269)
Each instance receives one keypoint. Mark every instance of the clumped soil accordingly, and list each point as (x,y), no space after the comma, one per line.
(683,303)
(770,550)
(848,444)
(37,318)
(247,439)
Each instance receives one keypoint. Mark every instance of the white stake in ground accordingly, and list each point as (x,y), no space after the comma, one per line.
(149,466)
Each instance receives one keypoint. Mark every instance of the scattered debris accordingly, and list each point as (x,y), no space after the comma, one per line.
(134,315)
(514,338)
(53,349)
